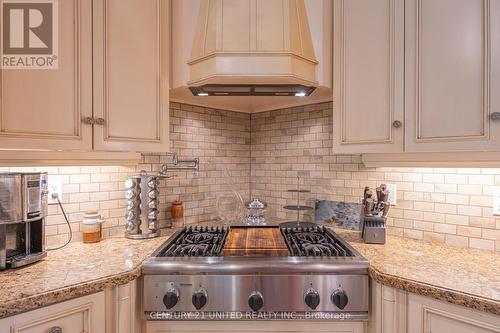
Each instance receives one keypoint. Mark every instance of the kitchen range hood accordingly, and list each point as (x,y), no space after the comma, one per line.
(252,48)
(297,90)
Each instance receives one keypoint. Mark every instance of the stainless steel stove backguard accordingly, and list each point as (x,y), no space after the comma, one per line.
(280,293)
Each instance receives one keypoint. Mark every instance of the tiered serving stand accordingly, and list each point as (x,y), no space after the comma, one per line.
(299,209)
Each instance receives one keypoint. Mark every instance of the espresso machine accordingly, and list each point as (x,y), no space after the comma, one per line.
(23,208)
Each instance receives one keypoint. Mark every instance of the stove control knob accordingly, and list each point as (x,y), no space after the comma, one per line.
(311,298)
(199,298)
(171,297)
(255,301)
(339,298)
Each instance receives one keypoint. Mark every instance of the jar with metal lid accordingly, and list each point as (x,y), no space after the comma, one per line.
(92,227)
(256,212)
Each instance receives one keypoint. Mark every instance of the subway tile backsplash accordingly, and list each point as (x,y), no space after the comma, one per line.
(264,153)
(447,205)
(221,139)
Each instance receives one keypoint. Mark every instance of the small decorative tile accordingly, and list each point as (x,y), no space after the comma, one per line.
(339,214)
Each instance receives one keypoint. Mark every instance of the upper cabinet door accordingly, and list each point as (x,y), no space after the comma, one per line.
(368,76)
(452,75)
(131,61)
(44,108)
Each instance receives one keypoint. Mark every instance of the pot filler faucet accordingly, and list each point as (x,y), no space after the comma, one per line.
(180,164)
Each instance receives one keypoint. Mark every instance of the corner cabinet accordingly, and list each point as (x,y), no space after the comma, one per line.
(416,76)
(368,76)
(110,91)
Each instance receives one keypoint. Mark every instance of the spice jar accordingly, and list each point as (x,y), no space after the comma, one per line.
(92,227)
(177,214)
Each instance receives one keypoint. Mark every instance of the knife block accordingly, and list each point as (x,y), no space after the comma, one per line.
(374,229)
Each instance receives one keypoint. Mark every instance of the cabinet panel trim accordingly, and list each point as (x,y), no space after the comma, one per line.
(77,86)
(86,309)
(428,311)
(392,79)
(485,86)
(159,84)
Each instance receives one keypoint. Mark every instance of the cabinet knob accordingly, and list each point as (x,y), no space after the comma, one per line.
(495,116)
(88,120)
(55,329)
(100,121)
(396,124)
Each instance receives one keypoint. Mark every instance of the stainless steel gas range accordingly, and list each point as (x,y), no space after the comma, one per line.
(189,277)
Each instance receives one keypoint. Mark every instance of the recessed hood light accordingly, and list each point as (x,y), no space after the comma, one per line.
(297,90)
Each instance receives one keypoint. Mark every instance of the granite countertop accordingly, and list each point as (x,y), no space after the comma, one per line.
(78,269)
(456,275)
(461,276)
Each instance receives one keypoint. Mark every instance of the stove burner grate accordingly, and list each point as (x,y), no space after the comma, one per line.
(314,242)
(197,242)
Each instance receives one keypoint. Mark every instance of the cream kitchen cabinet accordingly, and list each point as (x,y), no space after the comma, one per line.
(426,315)
(397,311)
(44,108)
(452,75)
(110,92)
(123,313)
(388,309)
(255,327)
(84,314)
(114,310)
(131,62)
(368,76)
(451,56)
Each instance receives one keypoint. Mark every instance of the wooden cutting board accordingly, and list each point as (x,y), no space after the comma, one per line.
(255,241)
